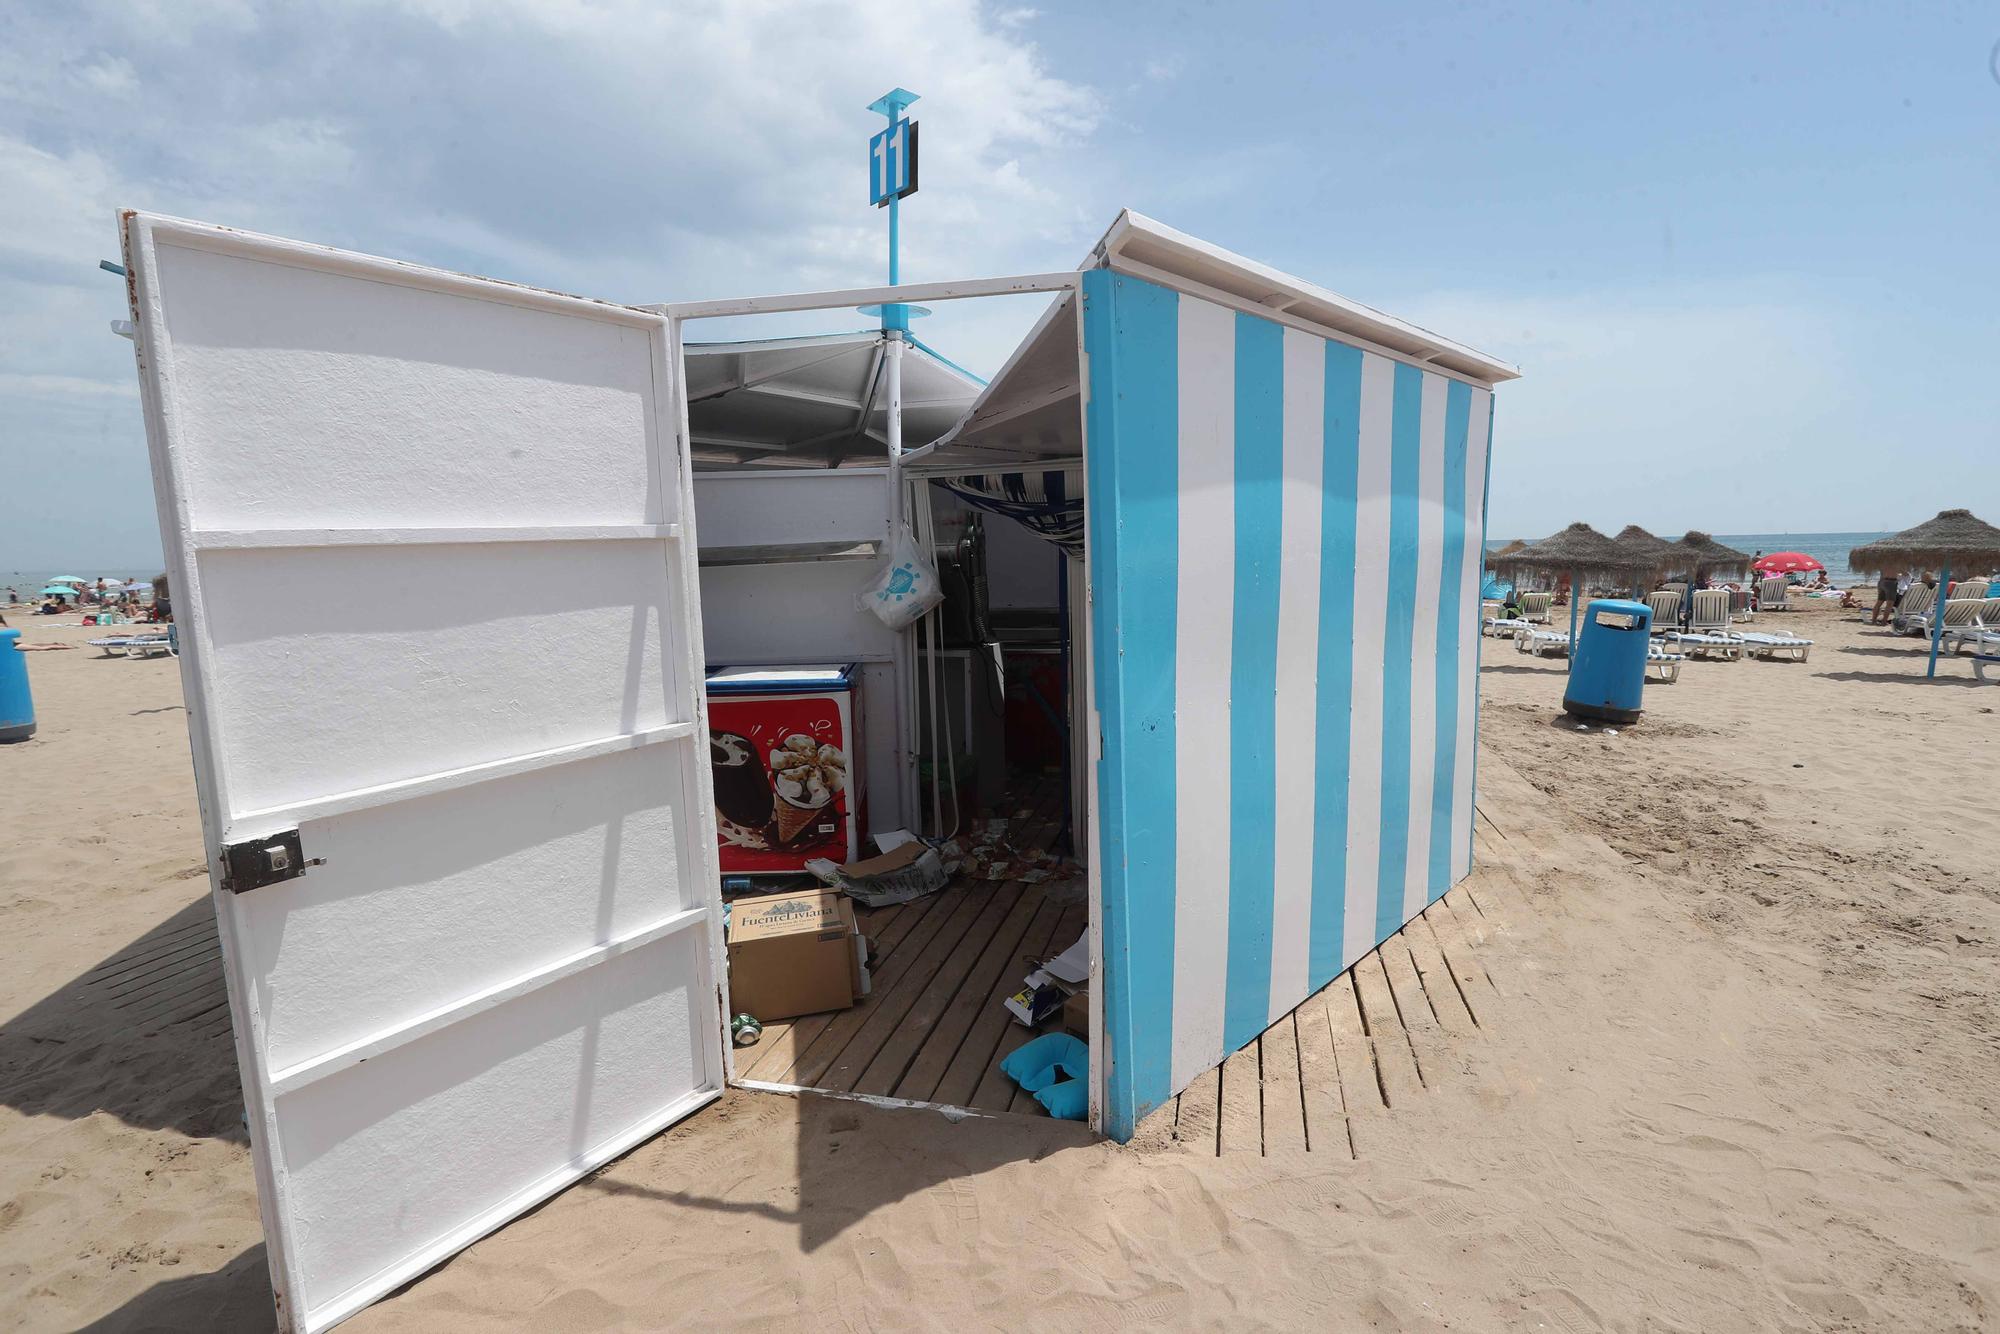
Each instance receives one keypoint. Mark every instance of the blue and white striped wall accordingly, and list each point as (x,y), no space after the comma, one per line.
(1285,539)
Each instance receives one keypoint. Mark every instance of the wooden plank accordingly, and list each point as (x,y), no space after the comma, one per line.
(934,1056)
(1284,1088)
(1361,1093)
(978,1053)
(1324,1107)
(878,1019)
(819,1037)
(1413,1003)
(1343,1008)
(1200,1113)
(953,976)
(1475,987)
(1022,1102)
(1395,1059)
(1241,1125)
(780,1047)
(1440,984)
(996,1092)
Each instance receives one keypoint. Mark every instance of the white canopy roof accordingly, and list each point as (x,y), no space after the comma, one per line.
(1032,411)
(814,402)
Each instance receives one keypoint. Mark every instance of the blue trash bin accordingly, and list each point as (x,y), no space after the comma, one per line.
(17,705)
(1607,668)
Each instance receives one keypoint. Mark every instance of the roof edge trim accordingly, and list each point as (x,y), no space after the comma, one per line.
(1149,248)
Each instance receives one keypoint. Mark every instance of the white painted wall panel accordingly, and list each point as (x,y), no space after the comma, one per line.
(423,902)
(800,612)
(481,985)
(744,509)
(459,1125)
(343,668)
(322,400)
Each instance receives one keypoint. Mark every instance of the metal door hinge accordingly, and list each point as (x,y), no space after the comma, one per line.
(263,861)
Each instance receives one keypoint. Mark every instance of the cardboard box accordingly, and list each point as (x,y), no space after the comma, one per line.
(907,871)
(793,954)
(1076,1015)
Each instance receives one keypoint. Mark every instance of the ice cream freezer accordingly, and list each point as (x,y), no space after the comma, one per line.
(787,778)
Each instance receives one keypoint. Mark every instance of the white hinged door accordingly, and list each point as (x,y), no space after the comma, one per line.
(433,572)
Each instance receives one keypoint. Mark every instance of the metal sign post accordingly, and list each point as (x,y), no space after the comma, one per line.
(892,174)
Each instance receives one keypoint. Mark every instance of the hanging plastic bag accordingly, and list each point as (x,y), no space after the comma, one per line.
(905,585)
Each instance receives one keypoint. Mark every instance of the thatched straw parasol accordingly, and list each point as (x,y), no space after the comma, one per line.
(1701,555)
(1579,551)
(1577,548)
(1642,543)
(1516,545)
(1954,539)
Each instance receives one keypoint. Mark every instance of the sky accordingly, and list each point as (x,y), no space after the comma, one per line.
(1743,254)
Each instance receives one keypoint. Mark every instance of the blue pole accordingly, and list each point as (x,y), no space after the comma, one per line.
(895,242)
(1575,600)
(1937,618)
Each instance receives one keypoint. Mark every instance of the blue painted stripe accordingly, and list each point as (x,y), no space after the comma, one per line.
(1398,639)
(1253,673)
(1335,702)
(1131,333)
(1451,586)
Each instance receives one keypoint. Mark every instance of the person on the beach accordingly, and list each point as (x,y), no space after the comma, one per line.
(1887,593)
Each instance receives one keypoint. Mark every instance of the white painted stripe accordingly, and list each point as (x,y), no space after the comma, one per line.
(1294,764)
(1371,598)
(1476,427)
(1424,645)
(1204,609)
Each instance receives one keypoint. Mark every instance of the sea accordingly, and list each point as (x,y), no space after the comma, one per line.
(1829,549)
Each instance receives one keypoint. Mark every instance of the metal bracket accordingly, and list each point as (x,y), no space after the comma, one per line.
(265,861)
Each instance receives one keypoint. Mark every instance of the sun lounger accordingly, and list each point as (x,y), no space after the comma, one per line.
(1698,645)
(1666,607)
(145,646)
(1971,588)
(1914,604)
(1662,665)
(1985,622)
(1774,646)
(1542,642)
(1771,595)
(1959,614)
(1710,612)
(113,645)
(1506,627)
(1981,661)
(1535,607)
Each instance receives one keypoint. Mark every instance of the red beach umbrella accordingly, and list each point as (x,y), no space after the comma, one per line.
(1786,562)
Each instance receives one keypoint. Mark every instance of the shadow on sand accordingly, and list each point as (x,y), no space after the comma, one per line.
(143,1035)
(235,1297)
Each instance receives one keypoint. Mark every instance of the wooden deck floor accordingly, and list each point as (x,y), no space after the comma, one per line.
(933,1028)
(1320,1080)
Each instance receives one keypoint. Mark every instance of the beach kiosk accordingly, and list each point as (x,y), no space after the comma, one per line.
(463,847)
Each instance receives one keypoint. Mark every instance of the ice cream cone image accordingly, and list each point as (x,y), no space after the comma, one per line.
(807,777)
(792,817)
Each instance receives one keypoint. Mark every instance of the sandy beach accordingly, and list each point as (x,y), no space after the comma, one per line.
(1735,1066)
